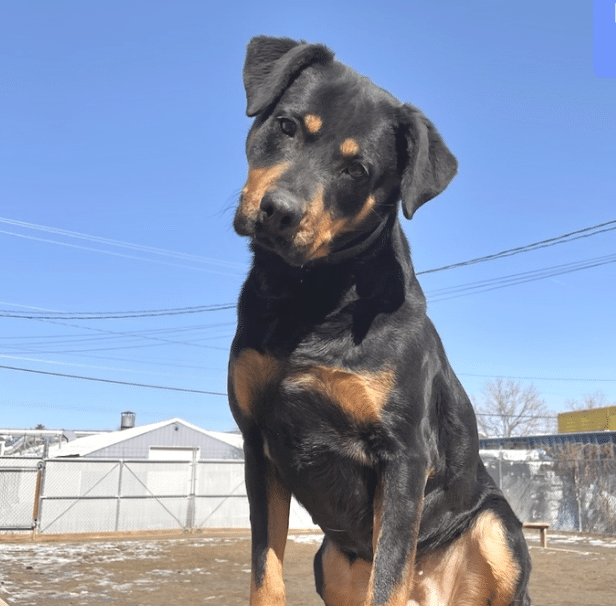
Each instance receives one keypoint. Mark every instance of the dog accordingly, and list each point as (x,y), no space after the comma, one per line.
(338,380)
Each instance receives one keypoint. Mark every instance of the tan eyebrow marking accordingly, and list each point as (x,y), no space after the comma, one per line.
(349,147)
(313,123)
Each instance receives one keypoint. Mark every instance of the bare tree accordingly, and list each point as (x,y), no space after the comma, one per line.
(589,400)
(508,409)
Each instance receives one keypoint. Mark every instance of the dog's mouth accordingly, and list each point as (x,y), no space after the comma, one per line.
(322,248)
(280,245)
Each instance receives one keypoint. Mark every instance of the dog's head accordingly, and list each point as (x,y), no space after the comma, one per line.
(330,154)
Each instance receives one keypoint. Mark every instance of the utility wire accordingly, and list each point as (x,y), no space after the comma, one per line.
(568,237)
(492,284)
(114,243)
(216,393)
(574,235)
(441,294)
(57,374)
(113,315)
(461,290)
(466,374)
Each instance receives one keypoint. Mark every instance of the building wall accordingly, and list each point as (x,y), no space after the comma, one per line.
(139,446)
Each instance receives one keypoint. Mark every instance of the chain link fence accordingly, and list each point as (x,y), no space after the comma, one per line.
(19,483)
(85,495)
(80,495)
(571,487)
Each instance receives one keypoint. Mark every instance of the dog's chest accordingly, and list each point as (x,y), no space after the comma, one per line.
(266,388)
(324,431)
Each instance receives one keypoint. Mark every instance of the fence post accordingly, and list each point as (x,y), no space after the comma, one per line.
(119,497)
(578,498)
(190,514)
(500,466)
(36,509)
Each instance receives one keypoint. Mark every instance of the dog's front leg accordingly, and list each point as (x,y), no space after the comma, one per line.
(269,518)
(397,513)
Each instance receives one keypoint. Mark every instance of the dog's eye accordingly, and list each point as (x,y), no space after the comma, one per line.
(356,170)
(287,126)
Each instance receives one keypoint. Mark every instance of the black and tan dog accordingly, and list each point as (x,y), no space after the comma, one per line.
(338,380)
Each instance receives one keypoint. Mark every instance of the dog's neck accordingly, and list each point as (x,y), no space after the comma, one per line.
(279,298)
(356,248)
(354,271)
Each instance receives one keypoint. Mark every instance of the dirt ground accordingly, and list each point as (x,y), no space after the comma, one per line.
(574,570)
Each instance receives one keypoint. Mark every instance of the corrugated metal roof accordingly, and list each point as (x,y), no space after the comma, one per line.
(82,447)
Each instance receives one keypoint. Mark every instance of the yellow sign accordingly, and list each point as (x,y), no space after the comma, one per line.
(594,419)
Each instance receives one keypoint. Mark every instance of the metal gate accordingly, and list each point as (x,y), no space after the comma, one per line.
(20,482)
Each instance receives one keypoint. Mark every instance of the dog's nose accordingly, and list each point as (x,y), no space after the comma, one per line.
(279,213)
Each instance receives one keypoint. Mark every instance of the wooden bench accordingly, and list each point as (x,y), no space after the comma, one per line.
(542,527)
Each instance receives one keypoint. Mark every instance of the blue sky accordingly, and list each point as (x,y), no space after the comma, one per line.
(121,160)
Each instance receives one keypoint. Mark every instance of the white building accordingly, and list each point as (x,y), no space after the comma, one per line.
(172,440)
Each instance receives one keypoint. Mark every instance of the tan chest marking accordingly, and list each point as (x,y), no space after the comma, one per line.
(252,374)
(361,396)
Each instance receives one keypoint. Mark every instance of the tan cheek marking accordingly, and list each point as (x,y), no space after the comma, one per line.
(349,147)
(317,228)
(361,396)
(258,182)
(365,211)
(252,372)
(313,123)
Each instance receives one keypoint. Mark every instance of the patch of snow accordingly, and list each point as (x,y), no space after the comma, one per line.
(513,455)
(306,538)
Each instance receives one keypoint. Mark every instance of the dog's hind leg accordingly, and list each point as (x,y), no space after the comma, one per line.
(479,569)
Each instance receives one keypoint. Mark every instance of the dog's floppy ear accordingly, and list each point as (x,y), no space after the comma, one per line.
(270,66)
(429,166)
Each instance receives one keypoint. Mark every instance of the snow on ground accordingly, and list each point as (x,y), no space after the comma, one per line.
(578,540)
(315,538)
(94,584)
(513,455)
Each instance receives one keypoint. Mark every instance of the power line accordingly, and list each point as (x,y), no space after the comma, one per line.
(216,393)
(437,295)
(466,374)
(66,376)
(461,290)
(569,237)
(114,315)
(111,243)
(514,416)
